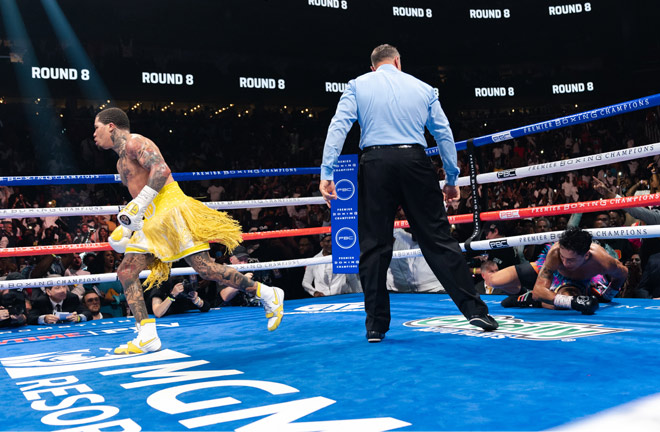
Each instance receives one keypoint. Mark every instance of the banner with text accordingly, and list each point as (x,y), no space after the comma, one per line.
(345,244)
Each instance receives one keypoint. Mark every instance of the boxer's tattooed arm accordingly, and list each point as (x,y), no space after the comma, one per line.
(546,273)
(150,158)
(135,300)
(542,286)
(210,270)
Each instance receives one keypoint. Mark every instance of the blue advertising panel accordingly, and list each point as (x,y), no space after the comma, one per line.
(345,244)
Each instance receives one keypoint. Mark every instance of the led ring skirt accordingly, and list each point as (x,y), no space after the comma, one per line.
(222,370)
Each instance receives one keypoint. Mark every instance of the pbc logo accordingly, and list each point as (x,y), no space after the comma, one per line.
(498,244)
(346,238)
(510,214)
(506,173)
(502,136)
(345,189)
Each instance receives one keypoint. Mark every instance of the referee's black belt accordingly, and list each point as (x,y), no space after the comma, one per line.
(392,146)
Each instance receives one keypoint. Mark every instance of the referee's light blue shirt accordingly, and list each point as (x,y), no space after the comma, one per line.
(392,107)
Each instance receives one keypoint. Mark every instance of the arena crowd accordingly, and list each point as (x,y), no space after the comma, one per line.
(59,141)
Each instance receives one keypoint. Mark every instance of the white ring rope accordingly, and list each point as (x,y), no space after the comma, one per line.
(179,271)
(644,231)
(564,165)
(114,209)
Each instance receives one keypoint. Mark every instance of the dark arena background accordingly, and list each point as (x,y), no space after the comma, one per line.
(223,86)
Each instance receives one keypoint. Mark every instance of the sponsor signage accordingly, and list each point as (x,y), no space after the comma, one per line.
(345,243)
(91,390)
(515,328)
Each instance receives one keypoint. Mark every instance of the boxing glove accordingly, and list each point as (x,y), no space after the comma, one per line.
(604,293)
(119,239)
(132,214)
(585,304)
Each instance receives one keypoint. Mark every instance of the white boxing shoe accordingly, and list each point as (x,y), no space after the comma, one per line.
(272,299)
(146,341)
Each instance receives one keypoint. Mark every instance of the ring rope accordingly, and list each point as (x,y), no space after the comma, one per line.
(104,246)
(114,209)
(564,165)
(645,231)
(184,176)
(179,271)
(561,122)
(562,209)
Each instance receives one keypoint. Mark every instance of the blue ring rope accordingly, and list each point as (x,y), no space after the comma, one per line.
(184,176)
(573,119)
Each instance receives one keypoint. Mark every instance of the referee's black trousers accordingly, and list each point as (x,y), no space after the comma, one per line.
(393,176)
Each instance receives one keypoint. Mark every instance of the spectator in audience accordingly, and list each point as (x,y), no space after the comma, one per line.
(503,257)
(410,274)
(83,236)
(92,301)
(561,223)
(649,246)
(8,238)
(320,281)
(76,269)
(488,268)
(112,292)
(47,266)
(51,221)
(532,252)
(176,295)
(13,304)
(631,287)
(216,191)
(305,247)
(57,306)
(19,201)
(100,235)
(232,296)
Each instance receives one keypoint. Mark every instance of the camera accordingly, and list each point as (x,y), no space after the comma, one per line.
(189,287)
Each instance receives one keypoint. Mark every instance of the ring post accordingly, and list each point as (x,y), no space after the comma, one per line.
(476,208)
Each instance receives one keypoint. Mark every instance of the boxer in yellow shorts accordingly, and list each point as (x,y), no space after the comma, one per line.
(161,225)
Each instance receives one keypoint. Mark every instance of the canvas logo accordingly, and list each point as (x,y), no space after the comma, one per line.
(345,189)
(329,307)
(75,361)
(516,328)
(149,372)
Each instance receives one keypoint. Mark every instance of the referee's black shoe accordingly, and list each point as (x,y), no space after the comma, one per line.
(485,322)
(374,336)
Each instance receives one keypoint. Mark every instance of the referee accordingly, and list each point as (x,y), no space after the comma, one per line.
(392,109)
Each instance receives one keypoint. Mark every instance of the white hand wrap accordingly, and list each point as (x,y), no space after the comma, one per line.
(120,238)
(562,301)
(131,216)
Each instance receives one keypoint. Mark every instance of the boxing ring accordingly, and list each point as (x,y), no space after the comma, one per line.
(222,370)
